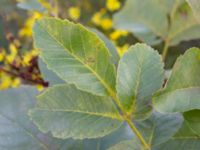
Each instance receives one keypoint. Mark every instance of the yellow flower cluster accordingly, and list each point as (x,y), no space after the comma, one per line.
(122,49)
(7,81)
(2,54)
(74,13)
(27,57)
(102,20)
(9,77)
(26,31)
(113,5)
(115,35)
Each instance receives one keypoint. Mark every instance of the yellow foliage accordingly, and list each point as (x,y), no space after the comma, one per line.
(28,57)
(117,34)
(12,55)
(26,31)
(13,49)
(16,83)
(45,4)
(40,87)
(2,54)
(74,13)
(113,5)
(122,49)
(106,23)
(6,81)
(101,20)
(96,19)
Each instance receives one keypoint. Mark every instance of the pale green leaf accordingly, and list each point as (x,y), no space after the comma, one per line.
(182,91)
(140,74)
(17,132)
(156,130)
(70,113)
(77,55)
(195,5)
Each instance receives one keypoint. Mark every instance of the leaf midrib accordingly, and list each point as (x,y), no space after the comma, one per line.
(106,86)
(105,115)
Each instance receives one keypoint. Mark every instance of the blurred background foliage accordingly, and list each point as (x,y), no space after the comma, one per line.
(124,22)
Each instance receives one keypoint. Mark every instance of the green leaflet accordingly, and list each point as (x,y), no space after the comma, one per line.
(182,91)
(77,55)
(17,132)
(158,129)
(187,138)
(152,26)
(140,74)
(52,78)
(68,112)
